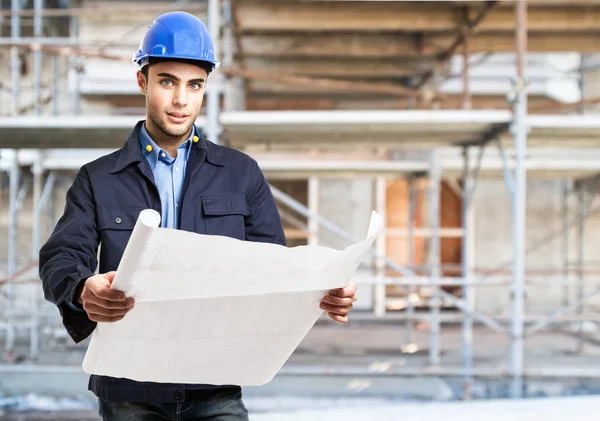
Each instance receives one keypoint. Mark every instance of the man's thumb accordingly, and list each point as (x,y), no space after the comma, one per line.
(110,276)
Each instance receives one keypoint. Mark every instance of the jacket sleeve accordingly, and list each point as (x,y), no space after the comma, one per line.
(69,257)
(264,222)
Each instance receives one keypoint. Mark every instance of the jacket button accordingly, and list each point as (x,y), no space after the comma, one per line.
(178,395)
(118,220)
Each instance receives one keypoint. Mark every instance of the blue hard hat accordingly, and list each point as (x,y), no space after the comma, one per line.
(178,35)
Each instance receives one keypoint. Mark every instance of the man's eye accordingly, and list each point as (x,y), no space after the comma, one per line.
(166,82)
(195,86)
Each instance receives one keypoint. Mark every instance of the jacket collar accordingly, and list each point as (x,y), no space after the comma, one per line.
(131,152)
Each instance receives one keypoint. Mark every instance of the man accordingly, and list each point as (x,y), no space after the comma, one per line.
(194,184)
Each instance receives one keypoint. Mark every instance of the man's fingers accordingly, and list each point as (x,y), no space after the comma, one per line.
(109,304)
(95,309)
(110,276)
(342,311)
(106,293)
(338,301)
(348,291)
(338,318)
(110,294)
(105,319)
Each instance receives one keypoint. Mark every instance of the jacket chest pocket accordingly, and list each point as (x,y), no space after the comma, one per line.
(115,226)
(225,215)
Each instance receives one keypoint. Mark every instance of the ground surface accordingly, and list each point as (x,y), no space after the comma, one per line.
(358,366)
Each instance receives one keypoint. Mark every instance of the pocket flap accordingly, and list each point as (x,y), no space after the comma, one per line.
(118,219)
(233,204)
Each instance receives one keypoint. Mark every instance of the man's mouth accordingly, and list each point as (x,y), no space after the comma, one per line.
(177,115)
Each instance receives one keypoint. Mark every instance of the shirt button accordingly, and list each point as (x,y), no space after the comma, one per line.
(176,168)
(163,154)
(118,220)
(178,395)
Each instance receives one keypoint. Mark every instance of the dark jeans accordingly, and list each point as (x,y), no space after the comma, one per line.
(214,405)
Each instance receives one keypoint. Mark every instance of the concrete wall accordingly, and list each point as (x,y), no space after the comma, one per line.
(544,241)
(349,204)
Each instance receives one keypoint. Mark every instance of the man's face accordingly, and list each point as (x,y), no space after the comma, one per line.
(174,93)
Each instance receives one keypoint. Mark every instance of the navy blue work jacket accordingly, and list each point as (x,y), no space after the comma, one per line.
(224,193)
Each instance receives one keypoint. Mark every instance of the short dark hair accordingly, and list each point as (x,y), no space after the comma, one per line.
(153,60)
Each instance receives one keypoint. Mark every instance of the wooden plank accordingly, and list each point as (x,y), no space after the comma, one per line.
(327,87)
(276,82)
(277,16)
(295,234)
(425,232)
(347,68)
(365,46)
(559,18)
(450,216)
(541,42)
(530,3)
(319,101)
(298,190)
(345,15)
(288,103)
(397,217)
(401,46)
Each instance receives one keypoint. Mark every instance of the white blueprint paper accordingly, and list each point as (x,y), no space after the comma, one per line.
(215,310)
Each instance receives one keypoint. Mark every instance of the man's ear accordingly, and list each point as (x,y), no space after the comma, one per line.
(142,82)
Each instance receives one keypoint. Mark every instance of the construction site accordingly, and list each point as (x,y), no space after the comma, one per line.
(471,127)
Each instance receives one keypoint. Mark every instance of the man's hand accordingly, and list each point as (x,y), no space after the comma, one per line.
(339,302)
(101,303)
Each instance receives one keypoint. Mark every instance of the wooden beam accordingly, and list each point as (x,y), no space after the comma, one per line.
(278,81)
(267,16)
(369,16)
(289,85)
(330,45)
(546,19)
(377,46)
(344,68)
(289,103)
(468,25)
(293,101)
(542,42)
(107,8)
(532,3)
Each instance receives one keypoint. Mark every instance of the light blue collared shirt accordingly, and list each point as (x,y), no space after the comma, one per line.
(169,175)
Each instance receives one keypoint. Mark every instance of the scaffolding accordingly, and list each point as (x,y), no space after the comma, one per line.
(455,143)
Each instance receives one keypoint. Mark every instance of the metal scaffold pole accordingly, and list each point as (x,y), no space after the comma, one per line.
(466,257)
(38,31)
(412,210)
(75,63)
(435,257)
(214,86)
(36,244)
(12,253)
(519,131)
(565,241)
(582,210)
(15,61)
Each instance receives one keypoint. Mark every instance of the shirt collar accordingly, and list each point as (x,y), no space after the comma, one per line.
(153,152)
(132,151)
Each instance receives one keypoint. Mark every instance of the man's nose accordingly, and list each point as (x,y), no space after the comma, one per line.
(180,98)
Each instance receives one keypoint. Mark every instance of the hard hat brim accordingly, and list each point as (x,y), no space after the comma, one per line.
(142,59)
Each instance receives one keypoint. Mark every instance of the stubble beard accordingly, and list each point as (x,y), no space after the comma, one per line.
(170,135)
